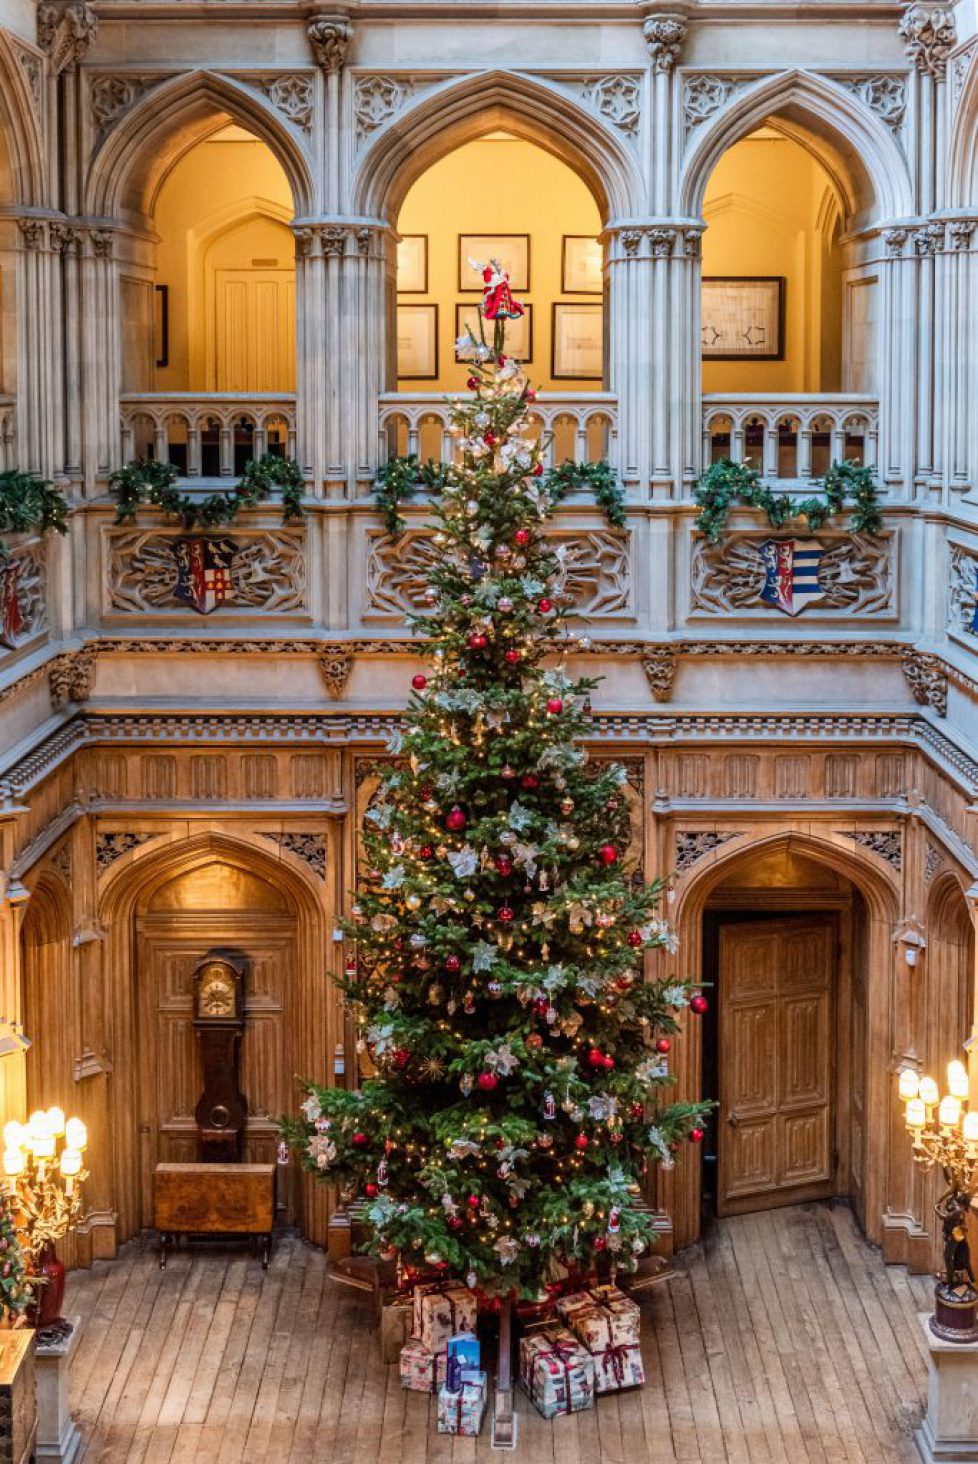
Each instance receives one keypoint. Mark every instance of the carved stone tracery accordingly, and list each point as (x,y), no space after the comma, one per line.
(617,98)
(886,843)
(310,848)
(267,572)
(855,574)
(692,846)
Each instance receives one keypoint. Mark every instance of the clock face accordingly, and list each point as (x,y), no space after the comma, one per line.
(216,992)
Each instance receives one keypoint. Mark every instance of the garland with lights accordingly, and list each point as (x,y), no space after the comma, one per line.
(151,482)
(29,504)
(511,979)
(725,483)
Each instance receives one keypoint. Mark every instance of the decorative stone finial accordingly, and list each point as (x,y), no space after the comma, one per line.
(928,34)
(664,36)
(65,31)
(330,38)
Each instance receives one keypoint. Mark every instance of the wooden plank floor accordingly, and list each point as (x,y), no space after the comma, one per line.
(783,1337)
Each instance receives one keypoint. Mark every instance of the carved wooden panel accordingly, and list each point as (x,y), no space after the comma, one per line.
(776,1068)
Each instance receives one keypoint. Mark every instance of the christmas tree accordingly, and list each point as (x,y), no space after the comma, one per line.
(519,1053)
(16,1294)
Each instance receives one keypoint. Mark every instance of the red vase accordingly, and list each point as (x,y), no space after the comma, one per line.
(51,1295)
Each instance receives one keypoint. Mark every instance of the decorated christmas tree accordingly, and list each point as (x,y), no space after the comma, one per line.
(519,1048)
(16,1293)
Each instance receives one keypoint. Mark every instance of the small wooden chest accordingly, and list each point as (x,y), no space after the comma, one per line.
(18,1401)
(214,1199)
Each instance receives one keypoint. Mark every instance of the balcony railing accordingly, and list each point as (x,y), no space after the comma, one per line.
(792,437)
(207,434)
(582,426)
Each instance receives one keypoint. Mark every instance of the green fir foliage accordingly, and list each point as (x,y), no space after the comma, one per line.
(16,1293)
(512,978)
(154,483)
(29,504)
(726,483)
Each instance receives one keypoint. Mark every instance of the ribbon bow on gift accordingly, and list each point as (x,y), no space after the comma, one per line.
(613,1360)
(560,1357)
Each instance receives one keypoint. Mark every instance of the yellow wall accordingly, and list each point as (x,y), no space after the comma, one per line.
(505,186)
(231,184)
(771,210)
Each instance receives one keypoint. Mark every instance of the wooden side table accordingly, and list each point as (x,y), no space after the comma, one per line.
(18,1399)
(231,1200)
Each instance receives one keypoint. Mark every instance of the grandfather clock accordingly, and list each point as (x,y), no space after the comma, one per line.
(218,988)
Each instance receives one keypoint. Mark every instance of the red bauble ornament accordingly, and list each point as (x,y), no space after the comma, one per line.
(595,1058)
(455,1222)
(521,537)
(487,1081)
(419,682)
(473,383)
(402,1056)
(426,794)
(545,606)
(490,439)
(504,914)
(698,1004)
(359,1139)
(636,1110)
(453,964)
(555,706)
(511,657)
(608,854)
(581,1141)
(530,394)
(371,1190)
(504,865)
(696,1136)
(534,1040)
(426,852)
(456,820)
(541,1006)
(607,1062)
(634,938)
(529,782)
(662,1044)
(477,641)
(473,1202)
(599,1242)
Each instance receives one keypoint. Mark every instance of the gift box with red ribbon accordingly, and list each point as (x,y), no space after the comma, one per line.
(442,1309)
(556,1371)
(608,1324)
(420,1370)
(462,1411)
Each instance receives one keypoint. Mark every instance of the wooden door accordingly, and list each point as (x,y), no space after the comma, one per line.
(168,948)
(776,1039)
(255,330)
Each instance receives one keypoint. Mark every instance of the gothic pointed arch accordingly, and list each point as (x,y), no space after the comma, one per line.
(462,110)
(856,149)
(962,150)
(139,151)
(22,173)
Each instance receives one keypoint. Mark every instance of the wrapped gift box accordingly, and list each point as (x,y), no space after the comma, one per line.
(422,1371)
(556,1371)
(441,1309)
(464,1357)
(618,1367)
(394,1327)
(462,1412)
(602,1317)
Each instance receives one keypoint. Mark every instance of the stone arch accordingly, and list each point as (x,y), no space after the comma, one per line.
(126,892)
(463,110)
(880,894)
(131,164)
(855,148)
(22,169)
(962,153)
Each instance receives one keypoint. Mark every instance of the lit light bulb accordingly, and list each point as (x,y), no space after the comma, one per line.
(56,1121)
(949,1112)
(37,1127)
(13,1162)
(43,1146)
(71,1161)
(957,1079)
(76,1134)
(916,1113)
(928,1091)
(14,1135)
(969,1128)
(909,1084)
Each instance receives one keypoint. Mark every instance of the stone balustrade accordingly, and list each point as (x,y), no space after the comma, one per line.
(582,426)
(791,437)
(207,434)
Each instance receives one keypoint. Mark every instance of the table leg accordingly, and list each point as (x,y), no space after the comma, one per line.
(266,1251)
(164,1247)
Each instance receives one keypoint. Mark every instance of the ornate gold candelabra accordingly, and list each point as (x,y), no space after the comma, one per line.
(945,1135)
(43,1166)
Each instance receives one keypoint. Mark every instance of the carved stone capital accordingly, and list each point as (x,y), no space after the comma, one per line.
(72,676)
(894,240)
(928,33)
(959,233)
(664,36)
(330,38)
(65,31)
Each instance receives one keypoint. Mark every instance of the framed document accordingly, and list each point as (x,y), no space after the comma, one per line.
(417,341)
(412,264)
(582,264)
(577,347)
(512,251)
(519,333)
(742,318)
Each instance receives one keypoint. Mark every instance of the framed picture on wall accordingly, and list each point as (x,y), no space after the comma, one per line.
(417,341)
(412,264)
(519,333)
(582,264)
(577,343)
(161,324)
(512,251)
(742,318)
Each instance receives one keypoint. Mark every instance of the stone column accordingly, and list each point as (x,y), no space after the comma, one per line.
(959,456)
(40,344)
(896,353)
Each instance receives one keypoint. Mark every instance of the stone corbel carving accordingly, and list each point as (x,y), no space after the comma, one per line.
(72,676)
(65,32)
(659,665)
(335,663)
(926,676)
(664,36)
(330,38)
(928,33)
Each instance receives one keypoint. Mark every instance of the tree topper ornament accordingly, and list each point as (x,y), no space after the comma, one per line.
(498,302)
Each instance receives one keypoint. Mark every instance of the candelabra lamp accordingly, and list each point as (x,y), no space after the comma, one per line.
(945,1136)
(43,1165)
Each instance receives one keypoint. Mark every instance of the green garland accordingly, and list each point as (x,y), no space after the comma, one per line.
(400,479)
(725,483)
(29,504)
(154,483)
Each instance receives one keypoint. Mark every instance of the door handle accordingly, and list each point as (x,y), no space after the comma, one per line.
(732,1119)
